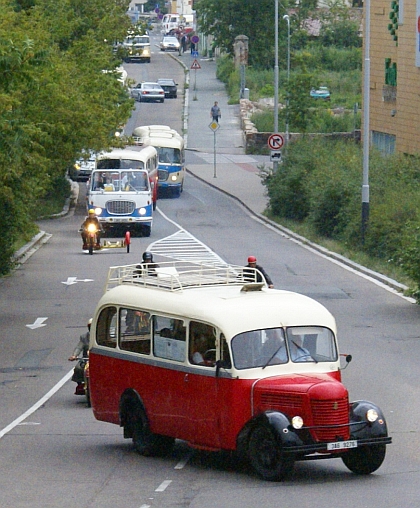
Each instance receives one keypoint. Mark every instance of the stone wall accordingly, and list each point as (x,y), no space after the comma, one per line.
(257,141)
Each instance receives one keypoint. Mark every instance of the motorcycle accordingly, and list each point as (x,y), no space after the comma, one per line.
(82,368)
(92,238)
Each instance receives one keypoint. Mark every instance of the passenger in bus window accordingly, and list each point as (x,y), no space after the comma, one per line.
(199,349)
(98,182)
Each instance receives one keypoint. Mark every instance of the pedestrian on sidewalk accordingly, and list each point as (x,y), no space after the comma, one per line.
(215,112)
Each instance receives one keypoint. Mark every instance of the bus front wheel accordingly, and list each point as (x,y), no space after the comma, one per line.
(266,455)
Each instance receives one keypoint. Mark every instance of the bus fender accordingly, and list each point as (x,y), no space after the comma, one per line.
(366,429)
(131,408)
(280,424)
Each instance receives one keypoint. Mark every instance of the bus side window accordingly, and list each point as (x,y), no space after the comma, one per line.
(106,329)
(169,338)
(135,331)
(202,344)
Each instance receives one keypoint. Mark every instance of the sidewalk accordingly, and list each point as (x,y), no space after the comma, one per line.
(219,158)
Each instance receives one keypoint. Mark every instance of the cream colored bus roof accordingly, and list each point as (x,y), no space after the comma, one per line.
(222,298)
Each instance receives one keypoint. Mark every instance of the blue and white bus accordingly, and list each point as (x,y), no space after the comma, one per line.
(171,158)
(123,189)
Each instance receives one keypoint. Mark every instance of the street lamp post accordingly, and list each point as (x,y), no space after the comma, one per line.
(287,18)
(366,124)
(276,73)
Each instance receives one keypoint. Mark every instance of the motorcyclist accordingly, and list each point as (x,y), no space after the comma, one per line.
(149,263)
(78,372)
(252,263)
(91,219)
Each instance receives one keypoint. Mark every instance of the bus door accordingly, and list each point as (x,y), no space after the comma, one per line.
(202,403)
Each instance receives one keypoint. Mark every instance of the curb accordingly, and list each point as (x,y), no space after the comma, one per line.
(25,252)
(397,286)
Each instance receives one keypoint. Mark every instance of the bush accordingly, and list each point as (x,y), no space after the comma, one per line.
(8,218)
(408,255)
(319,183)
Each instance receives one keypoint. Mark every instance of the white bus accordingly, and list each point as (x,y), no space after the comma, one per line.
(171,160)
(123,189)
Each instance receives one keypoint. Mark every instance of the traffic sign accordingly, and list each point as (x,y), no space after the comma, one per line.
(195,39)
(195,65)
(275,141)
(214,126)
(275,156)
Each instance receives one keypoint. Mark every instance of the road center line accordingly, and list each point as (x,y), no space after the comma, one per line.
(163,486)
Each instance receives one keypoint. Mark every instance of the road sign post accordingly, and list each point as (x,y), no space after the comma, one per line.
(275,142)
(214,126)
(195,66)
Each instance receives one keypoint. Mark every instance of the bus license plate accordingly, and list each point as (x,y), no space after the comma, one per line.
(342,445)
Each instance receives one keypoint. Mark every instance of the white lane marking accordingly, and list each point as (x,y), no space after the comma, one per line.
(37,405)
(163,486)
(38,323)
(182,463)
(183,246)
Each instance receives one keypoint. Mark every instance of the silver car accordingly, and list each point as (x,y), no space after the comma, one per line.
(169,43)
(148,92)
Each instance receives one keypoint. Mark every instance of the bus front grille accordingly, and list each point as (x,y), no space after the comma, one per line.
(120,207)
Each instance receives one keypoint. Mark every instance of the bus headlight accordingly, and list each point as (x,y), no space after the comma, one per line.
(297,422)
(371,415)
(98,210)
(174,178)
(142,211)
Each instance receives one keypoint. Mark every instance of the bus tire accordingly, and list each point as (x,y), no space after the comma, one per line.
(146,230)
(148,444)
(266,456)
(365,459)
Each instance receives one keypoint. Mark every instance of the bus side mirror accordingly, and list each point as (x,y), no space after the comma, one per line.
(349,358)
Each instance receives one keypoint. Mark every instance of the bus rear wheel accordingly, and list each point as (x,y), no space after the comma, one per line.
(149,444)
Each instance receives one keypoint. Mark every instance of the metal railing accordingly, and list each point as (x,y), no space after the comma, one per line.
(179,275)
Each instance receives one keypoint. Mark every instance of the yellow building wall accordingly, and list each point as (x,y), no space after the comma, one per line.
(395,117)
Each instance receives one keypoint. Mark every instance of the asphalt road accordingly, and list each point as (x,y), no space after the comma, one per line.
(58,456)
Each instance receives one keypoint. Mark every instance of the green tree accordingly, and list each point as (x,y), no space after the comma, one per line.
(59,94)
(226,19)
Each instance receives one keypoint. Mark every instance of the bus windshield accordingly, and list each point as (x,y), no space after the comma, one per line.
(120,181)
(169,155)
(275,346)
(110,163)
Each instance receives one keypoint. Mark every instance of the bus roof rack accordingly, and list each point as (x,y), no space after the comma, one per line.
(179,275)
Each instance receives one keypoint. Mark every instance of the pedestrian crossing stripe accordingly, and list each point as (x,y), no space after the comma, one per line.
(195,65)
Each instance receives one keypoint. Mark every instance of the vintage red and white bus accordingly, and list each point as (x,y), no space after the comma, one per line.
(208,355)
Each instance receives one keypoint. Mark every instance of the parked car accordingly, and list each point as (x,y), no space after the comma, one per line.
(169,86)
(321,93)
(169,43)
(148,91)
